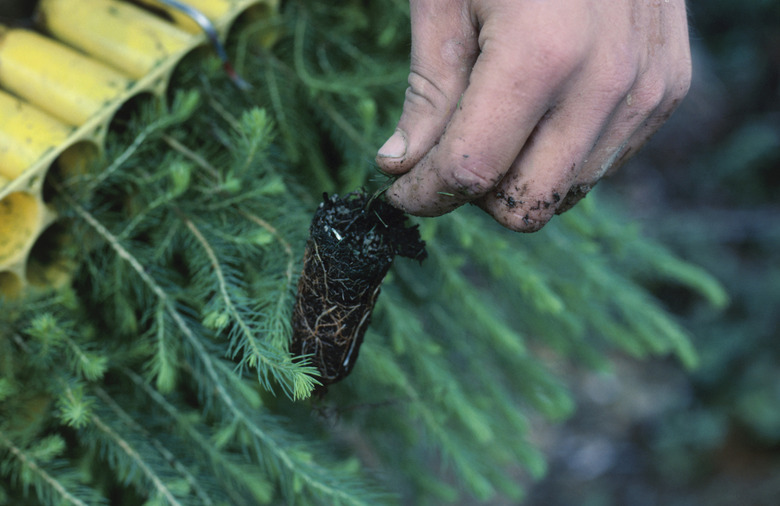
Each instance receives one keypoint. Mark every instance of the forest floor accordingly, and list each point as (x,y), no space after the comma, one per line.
(610,452)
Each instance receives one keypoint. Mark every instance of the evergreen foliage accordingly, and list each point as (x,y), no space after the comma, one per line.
(161,374)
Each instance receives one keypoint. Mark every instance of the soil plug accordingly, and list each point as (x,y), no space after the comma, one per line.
(352,243)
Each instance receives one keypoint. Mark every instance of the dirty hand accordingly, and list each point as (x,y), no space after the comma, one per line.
(522,106)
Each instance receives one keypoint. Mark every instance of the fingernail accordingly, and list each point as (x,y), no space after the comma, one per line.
(395,147)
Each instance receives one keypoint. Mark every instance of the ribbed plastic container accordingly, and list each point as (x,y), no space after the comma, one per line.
(61,84)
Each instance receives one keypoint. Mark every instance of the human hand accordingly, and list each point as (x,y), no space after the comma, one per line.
(522,106)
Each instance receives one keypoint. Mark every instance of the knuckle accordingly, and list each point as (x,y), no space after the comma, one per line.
(619,79)
(557,59)
(616,76)
(681,82)
(552,57)
(424,91)
(649,96)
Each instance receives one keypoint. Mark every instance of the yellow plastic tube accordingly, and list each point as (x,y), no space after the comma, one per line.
(59,80)
(212,9)
(22,216)
(10,284)
(117,33)
(26,135)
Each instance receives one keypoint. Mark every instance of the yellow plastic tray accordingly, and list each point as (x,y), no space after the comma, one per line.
(60,86)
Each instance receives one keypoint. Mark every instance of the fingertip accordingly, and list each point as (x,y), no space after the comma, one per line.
(394,147)
(398,197)
(527,223)
(524,207)
(392,155)
(417,193)
(576,193)
(393,198)
(518,218)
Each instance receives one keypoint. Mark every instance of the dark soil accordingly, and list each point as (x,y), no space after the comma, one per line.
(352,243)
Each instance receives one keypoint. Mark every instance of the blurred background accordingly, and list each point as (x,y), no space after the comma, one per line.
(707,185)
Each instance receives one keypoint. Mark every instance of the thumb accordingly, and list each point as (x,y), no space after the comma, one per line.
(444,48)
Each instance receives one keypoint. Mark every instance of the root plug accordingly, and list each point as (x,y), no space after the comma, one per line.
(352,243)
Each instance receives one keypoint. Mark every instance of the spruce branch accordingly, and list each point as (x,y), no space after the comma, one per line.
(481,317)
(453,446)
(75,406)
(434,365)
(158,482)
(306,473)
(163,366)
(510,264)
(183,107)
(167,454)
(268,362)
(164,299)
(340,86)
(224,113)
(142,215)
(660,262)
(277,320)
(255,131)
(53,335)
(280,113)
(124,447)
(29,472)
(208,167)
(341,122)
(192,156)
(290,114)
(289,271)
(354,84)
(226,465)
